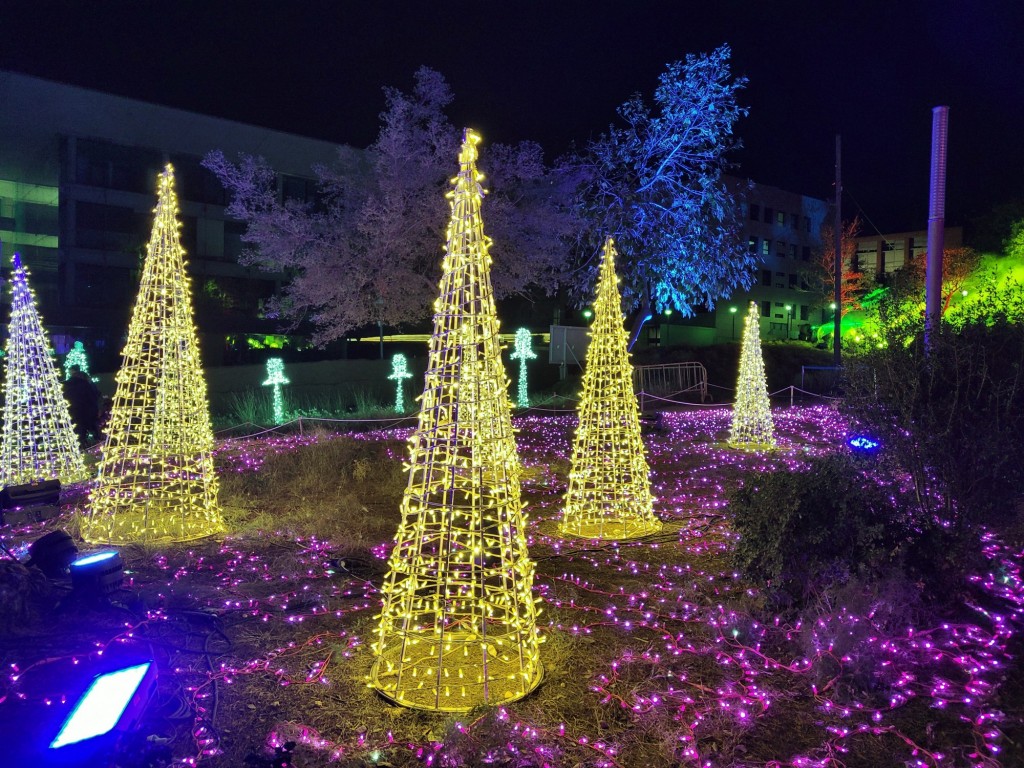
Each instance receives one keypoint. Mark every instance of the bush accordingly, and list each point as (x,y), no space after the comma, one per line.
(950,419)
(833,534)
(805,532)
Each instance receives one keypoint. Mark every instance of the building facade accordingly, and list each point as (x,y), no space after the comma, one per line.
(783,231)
(881,255)
(77,188)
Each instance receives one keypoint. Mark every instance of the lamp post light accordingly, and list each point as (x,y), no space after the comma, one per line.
(789,321)
(587,314)
(732,311)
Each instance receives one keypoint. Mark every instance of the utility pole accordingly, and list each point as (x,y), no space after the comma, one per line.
(837,338)
(936,227)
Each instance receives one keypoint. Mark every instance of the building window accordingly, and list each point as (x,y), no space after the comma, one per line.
(752,244)
(804,309)
(792,251)
(766,309)
(104,164)
(766,247)
(780,219)
(233,245)
(755,212)
(807,223)
(769,214)
(299,190)
(766,277)
(792,281)
(781,249)
(805,254)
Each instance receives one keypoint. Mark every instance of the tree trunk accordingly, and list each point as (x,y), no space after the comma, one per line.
(643,315)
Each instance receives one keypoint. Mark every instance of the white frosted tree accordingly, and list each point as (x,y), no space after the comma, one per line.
(39,441)
(752,425)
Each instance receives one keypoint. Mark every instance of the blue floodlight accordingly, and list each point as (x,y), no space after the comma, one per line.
(97,557)
(97,574)
(863,444)
(104,704)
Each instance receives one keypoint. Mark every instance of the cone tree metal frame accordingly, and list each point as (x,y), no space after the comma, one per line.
(752,425)
(609,494)
(39,441)
(458,625)
(156,480)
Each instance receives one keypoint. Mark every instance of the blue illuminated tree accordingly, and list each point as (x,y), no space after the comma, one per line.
(655,185)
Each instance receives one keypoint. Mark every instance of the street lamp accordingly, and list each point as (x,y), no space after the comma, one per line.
(732,311)
(789,320)
(587,314)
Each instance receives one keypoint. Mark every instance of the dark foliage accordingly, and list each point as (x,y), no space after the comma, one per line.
(951,419)
(803,532)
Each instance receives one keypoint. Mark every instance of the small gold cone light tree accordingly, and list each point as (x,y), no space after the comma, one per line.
(39,441)
(156,480)
(752,425)
(609,494)
(458,625)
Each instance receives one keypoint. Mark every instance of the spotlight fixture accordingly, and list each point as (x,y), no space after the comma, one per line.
(97,574)
(53,553)
(112,704)
(29,503)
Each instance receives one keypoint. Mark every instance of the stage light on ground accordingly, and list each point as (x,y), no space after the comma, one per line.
(97,574)
(53,553)
(113,700)
(863,444)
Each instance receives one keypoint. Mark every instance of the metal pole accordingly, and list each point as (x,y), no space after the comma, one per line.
(837,338)
(936,226)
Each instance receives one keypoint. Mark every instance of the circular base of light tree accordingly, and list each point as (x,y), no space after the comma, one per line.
(164,525)
(612,529)
(461,671)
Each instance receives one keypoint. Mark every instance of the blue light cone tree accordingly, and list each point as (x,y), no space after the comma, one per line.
(156,481)
(752,425)
(609,493)
(458,624)
(39,441)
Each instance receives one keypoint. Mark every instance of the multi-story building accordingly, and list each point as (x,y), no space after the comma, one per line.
(77,188)
(783,230)
(880,255)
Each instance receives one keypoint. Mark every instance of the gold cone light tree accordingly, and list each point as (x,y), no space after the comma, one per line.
(156,480)
(609,494)
(39,441)
(458,624)
(752,425)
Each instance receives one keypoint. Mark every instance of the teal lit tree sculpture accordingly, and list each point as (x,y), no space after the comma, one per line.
(458,626)
(156,480)
(523,352)
(39,441)
(752,425)
(609,493)
(76,356)
(399,373)
(275,378)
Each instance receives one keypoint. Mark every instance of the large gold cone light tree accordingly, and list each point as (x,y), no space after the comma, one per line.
(609,494)
(752,425)
(39,441)
(458,624)
(156,480)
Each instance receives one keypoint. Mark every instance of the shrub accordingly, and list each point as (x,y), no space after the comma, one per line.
(833,534)
(804,532)
(950,418)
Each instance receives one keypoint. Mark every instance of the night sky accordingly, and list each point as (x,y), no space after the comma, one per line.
(555,71)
